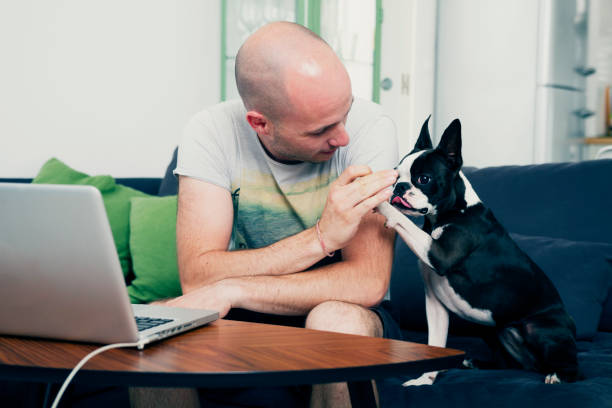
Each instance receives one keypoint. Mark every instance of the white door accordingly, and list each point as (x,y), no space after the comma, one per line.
(407,65)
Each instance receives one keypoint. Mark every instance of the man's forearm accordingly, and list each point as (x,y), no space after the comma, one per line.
(362,278)
(298,293)
(292,254)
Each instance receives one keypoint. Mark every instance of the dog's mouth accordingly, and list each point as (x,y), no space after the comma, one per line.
(402,204)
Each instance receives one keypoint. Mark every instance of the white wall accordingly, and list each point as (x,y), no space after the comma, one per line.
(105,85)
(486,76)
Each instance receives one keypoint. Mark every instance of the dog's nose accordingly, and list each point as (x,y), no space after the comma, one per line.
(401,188)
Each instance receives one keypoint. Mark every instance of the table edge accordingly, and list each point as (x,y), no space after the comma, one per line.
(231,379)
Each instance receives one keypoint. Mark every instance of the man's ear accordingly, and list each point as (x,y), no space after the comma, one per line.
(424,140)
(259,122)
(450,145)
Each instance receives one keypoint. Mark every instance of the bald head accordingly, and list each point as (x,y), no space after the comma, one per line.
(277,61)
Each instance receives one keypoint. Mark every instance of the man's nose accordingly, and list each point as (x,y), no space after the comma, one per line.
(339,136)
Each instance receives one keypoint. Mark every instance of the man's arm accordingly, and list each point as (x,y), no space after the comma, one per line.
(203,231)
(204,227)
(362,277)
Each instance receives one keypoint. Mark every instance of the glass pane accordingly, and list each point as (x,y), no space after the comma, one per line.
(349,27)
(242,19)
(246,16)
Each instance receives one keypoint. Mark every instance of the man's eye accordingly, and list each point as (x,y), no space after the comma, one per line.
(423,179)
(319,132)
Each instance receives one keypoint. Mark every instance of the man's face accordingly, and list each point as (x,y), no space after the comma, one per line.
(312,135)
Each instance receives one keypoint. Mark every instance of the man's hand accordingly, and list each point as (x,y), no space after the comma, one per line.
(218,296)
(352,195)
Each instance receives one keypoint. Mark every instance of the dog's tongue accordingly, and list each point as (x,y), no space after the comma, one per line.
(398,199)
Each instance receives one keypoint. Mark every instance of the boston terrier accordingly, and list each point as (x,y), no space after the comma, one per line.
(472,267)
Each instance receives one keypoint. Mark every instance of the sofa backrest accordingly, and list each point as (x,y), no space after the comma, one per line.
(558,200)
(571,201)
(149,185)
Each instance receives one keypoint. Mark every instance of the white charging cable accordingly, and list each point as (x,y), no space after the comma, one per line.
(82,363)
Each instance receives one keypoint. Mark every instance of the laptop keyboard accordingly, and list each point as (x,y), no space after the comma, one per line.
(145,323)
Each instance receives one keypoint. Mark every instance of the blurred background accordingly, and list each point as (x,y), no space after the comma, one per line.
(107,86)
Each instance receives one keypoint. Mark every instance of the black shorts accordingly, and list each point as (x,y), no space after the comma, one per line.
(391,328)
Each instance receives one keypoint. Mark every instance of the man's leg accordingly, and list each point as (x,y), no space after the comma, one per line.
(346,318)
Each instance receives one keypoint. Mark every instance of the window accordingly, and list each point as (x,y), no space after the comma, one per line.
(351,27)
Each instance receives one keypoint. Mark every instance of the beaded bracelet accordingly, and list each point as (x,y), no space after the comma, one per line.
(330,254)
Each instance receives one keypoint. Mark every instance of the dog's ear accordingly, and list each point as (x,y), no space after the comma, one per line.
(424,140)
(450,145)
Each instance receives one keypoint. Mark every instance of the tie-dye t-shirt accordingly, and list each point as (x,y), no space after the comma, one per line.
(274,200)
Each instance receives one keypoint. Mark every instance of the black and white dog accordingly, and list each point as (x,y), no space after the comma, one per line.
(472,267)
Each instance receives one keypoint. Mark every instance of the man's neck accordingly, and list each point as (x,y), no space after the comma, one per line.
(276,159)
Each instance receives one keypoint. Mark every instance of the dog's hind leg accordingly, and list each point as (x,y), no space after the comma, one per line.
(556,350)
(514,343)
(498,357)
(550,350)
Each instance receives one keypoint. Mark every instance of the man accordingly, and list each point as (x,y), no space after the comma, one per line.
(285,178)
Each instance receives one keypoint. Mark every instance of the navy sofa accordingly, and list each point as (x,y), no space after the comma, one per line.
(561,214)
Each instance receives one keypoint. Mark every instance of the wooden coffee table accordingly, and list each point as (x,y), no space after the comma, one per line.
(230,354)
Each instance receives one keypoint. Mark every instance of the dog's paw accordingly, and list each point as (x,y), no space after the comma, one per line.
(552,379)
(391,213)
(391,224)
(394,220)
(425,379)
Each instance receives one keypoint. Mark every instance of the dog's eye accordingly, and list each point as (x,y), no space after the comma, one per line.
(423,179)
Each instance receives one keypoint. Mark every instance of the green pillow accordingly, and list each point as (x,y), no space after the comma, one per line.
(116,201)
(153,247)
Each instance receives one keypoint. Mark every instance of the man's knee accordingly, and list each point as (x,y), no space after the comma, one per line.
(344,317)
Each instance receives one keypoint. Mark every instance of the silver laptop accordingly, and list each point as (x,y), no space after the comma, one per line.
(60,275)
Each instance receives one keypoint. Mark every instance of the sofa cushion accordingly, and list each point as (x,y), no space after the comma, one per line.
(463,388)
(153,248)
(460,388)
(169,184)
(116,201)
(559,200)
(581,271)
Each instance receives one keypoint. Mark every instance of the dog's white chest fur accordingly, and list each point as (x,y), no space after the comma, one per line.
(444,292)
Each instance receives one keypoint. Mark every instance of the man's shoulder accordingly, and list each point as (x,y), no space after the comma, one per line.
(221,120)
(222,110)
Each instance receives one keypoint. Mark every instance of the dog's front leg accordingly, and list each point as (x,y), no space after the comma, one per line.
(417,240)
(437,316)
(436,312)
(437,325)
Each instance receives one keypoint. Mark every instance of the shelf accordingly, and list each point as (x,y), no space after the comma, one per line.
(599,140)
